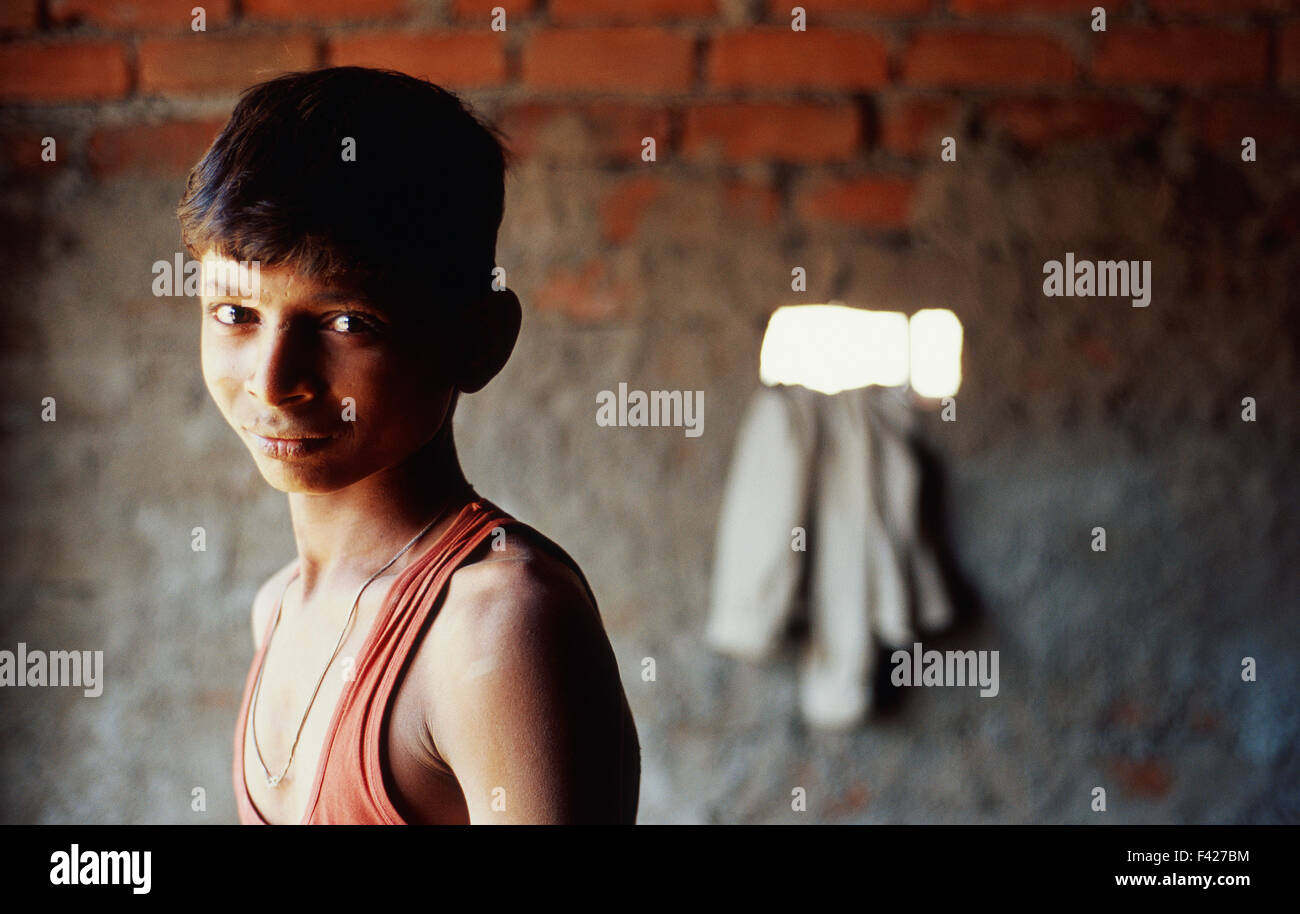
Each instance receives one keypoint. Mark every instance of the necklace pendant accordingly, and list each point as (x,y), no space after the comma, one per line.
(272,780)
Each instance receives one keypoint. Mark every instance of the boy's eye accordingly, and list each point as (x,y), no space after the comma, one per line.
(234,315)
(227,313)
(350,323)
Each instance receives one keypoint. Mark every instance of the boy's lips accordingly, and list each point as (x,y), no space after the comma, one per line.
(286,446)
(280,436)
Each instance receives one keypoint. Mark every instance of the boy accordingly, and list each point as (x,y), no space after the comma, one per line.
(426,658)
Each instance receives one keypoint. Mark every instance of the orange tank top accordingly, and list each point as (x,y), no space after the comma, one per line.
(349,784)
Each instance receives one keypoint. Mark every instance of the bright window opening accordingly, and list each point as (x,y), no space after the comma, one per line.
(832,348)
(935,352)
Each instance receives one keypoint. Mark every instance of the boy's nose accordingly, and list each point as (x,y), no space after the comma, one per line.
(283,371)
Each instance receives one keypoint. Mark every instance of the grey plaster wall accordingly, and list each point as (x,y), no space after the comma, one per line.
(1118,669)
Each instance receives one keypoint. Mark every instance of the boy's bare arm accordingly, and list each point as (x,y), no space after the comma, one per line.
(526,704)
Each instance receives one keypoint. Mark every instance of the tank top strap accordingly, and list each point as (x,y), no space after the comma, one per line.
(351,787)
(414,598)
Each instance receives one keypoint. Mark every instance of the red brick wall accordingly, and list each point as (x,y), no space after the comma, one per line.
(868,90)
(818,150)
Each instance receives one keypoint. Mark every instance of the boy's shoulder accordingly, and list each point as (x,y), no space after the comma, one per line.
(518,625)
(521,600)
(518,566)
(517,683)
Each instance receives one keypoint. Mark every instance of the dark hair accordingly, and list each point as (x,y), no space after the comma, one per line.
(411,223)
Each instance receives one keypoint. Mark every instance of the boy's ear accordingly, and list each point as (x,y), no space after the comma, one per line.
(485,333)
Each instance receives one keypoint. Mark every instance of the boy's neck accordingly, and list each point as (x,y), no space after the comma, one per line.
(345,537)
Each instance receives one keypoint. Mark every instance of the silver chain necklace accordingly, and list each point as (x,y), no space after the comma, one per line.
(273,780)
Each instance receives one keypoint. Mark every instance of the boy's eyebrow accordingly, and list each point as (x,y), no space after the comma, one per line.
(323,297)
(331,296)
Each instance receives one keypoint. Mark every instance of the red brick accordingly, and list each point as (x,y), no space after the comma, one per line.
(1228,7)
(874,202)
(1150,779)
(199,64)
(217,698)
(815,59)
(1063,7)
(169,149)
(622,208)
(1205,721)
(914,126)
(752,202)
(1181,56)
(63,72)
(1221,122)
(323,10)
(823,10)
(611,131)
(1036,380)
(1096,349)
(457,59)
(600,60)
(568,12)
(1289,55)
(18,14)
(854,800)
(21,148)
(585,295)
(159,15)
(789,133)
(1036,122)
(481,10)
(951,58)
(1284,221)
(1125,713)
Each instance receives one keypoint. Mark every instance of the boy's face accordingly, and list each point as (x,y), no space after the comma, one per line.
(323,388)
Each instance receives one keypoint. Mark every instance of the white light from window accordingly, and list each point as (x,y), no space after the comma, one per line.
(831,348)
(936,352)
